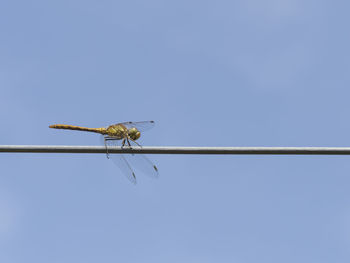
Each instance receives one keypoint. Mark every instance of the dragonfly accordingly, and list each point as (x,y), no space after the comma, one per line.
(124,134)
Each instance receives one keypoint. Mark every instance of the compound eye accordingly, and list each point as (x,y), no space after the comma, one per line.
(134,134)
(138,134)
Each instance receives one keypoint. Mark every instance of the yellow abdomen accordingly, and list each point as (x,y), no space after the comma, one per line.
(119,131)
(78,128)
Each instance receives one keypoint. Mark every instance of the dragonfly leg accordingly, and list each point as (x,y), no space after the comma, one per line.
(136,142)
(127,140)
(107,154)
(108,138)
(123,143)
(129,144)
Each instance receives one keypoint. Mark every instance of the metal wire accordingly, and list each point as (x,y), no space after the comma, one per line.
(177,150)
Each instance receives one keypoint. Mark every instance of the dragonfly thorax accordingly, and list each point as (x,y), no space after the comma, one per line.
(119,131)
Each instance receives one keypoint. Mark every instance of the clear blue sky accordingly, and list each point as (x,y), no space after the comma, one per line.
(210,73)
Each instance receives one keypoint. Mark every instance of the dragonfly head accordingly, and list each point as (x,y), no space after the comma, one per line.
(134,133)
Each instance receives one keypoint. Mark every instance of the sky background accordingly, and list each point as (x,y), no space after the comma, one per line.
(210,73)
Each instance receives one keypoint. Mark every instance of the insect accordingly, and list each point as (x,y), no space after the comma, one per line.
(124,134)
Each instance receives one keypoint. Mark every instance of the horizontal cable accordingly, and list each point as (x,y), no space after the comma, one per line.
(176,150)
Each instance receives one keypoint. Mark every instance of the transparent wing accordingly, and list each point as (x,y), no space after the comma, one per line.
(140,125)
(120,161)
(126,162)
(142,163)
(124,166)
